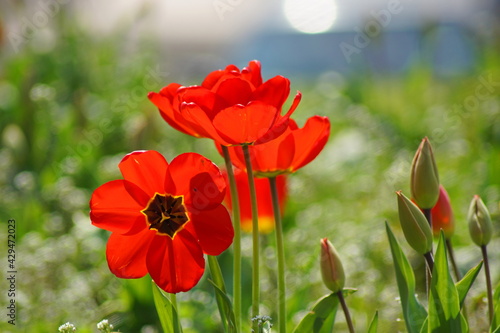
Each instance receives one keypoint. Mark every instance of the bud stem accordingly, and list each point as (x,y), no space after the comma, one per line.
(340,295)
(237,239)
(429,259)
(488,282)
(255,238)
(281,257)
(427,214)
(451,255)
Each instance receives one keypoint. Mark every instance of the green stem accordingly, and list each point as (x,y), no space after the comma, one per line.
(255,237)
(237,239)
(429,259)
(348,319)
(281,257)
(176,323)
(488,282)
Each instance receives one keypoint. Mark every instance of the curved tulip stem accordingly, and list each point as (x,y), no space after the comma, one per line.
(488,282)
(429,260)
(348,319)
(237,239)
(280,249)
(451,255)
(255,237)
(428,216)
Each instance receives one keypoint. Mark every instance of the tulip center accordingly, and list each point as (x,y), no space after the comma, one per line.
(166,214)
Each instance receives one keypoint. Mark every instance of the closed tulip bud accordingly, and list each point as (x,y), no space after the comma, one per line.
(480,226)
(442,215)
(332,270)
(424,176)
(414,224)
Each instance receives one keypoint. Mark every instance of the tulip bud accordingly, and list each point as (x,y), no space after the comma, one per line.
(424,176)
(332,270)
(442,215)
(480,226)
(414,224)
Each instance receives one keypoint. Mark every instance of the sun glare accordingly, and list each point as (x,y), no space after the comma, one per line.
(311,17)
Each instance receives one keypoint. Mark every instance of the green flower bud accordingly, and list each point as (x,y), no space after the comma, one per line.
(332,270)
(415,227)
(480,226)
(424,176)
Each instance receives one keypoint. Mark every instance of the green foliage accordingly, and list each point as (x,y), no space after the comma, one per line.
(167,311)
(444,301)
(223,301)
(322,316)
(495,325)
(373,324)
(463,286)
(413,312)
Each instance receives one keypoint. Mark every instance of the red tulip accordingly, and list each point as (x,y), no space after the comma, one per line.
(163,218)
(289,152)
(442,214)
(264,200)
(232,107)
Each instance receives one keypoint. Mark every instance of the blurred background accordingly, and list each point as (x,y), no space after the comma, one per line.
(74,78)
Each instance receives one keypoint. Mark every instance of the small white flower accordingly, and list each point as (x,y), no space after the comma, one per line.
(104,326)
(67,328)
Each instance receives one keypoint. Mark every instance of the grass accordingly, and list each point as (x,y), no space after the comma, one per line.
(69,116)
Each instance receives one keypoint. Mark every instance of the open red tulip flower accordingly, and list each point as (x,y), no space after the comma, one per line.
(163,218)
(295,148)
(442,215)
(264,200)
(232,107)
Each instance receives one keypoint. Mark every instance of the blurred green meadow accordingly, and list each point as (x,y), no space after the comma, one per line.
(68,116)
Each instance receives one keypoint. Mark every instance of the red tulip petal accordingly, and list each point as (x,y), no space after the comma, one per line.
(208,101)
(200,122)
(275,155)
(234,91)
(310,140)
(274,92)
(165,102)
(281,124)
(198,179)
(213,78)
(245,124)
(213,228)
(175,265)
(126,255)
(252,73)
(145,169)
(116,206)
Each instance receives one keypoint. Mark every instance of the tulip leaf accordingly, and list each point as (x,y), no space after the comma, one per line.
(495,324)
(166,311)
(322,316)
(464,285)
(374,324)
(225,309)
(444,302)
(414,313)
(223,302)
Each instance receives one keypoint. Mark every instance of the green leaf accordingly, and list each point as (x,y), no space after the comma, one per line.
(414,313)
(166,311)
(225,309)
(444,302)
(321,318)
(374,324)
(495,324)
(464,285)
(223,302)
